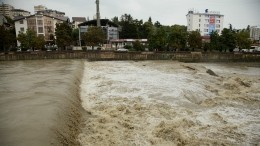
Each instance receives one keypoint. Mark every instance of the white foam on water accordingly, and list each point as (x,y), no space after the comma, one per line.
(169,103)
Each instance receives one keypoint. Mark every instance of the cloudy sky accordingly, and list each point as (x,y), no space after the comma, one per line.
(239,13)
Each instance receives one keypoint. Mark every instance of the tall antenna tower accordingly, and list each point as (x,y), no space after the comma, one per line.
(98,14)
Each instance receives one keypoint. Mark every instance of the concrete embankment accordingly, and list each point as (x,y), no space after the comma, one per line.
(110,55)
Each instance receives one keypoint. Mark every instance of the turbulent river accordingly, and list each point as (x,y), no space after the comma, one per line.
(76,102)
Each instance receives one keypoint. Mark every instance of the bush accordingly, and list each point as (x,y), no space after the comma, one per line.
(129,47)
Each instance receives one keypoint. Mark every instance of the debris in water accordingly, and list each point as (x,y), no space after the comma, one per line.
(209,71)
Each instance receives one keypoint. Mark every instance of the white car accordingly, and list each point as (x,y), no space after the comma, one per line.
(122,50)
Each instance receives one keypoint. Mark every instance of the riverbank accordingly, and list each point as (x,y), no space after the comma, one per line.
(112,55)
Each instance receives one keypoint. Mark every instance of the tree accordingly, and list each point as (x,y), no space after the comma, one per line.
(129,27)
(228,39)
(214,41)
(7,38)
(242,39)
(75,36)
(30,40)
(63,34)
(158,39)
(177,37)
(194,40)
(39,42)
(138,46)
(27,39)
(94,36)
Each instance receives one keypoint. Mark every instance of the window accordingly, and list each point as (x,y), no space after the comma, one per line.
(39,22)
(217,30)
(206,25)
(217,26)
(40,29)
(21,21)
(22,29)
(206,20)
(200,15)
(199,25)
(206,30)
(199,20)
(218,21)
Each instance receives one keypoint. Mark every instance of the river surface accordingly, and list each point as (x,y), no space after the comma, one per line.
(170,103)
(128,103)
(33,98)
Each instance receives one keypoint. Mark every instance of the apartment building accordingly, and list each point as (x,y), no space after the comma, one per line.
(42,24)
(205,23)
(5,9)
(255,33)
(19,12)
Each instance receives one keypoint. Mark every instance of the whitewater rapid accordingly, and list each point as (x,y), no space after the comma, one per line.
(170,103)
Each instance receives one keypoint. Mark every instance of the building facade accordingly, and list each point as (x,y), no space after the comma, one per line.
(255,33)
(205,23)
(19,12)
(5,9)
(77,20)
(109,28)
(42,24)
(39,8)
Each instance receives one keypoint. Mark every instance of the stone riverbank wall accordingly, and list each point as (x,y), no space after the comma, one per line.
(110,55)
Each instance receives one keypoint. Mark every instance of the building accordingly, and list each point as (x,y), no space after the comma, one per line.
(77,20)
(42,24)
(5,9)
(39,8)
(110,28)
(10,11)
(19,12)
(255,33)
(205,23)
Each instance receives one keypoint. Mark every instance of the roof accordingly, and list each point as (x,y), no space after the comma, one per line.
(79,19)
(25,17)
(20,10)
(103,22)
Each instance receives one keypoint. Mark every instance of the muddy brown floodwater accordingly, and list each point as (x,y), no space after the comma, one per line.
(170,103)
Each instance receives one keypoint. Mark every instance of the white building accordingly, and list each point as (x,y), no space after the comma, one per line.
(205,23)
(255,33)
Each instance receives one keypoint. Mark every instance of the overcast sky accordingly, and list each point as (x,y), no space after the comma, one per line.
(239,13)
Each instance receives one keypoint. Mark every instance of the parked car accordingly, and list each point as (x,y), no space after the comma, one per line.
(244,50)
(122,50)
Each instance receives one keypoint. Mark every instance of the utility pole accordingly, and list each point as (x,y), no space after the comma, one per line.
(98,14)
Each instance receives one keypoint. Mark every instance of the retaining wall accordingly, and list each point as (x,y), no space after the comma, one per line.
(111,55)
